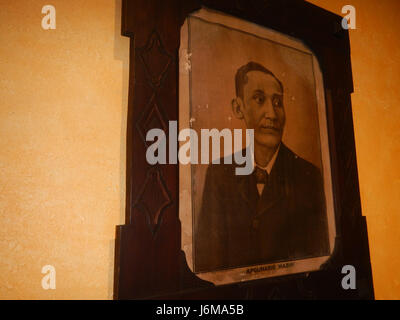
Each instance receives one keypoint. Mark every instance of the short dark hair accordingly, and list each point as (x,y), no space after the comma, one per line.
(241,76)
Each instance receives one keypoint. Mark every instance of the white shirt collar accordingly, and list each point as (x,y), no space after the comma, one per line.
(270,164)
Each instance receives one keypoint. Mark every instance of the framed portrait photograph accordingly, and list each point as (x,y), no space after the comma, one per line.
(241,169)
(278,217)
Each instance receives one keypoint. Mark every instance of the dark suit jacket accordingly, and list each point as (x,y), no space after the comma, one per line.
(237,227)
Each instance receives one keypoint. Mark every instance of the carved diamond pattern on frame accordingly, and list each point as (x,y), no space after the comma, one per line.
(156,59)
(275,294)
(153,199)
(151,118)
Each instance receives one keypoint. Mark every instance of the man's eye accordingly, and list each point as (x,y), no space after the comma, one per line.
(277,102)
(260,99)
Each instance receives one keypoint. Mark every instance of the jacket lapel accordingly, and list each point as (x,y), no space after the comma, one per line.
(274,191)
(247,189)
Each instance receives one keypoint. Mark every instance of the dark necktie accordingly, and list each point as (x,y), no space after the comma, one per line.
(261,175)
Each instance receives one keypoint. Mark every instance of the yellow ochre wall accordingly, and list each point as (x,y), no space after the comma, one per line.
(63,102)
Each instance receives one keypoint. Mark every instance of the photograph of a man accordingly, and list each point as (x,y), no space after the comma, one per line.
(278,212)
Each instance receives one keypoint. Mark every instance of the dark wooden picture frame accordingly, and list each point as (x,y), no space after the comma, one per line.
(149,262)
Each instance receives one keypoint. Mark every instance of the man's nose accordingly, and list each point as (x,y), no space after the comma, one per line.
(269,110)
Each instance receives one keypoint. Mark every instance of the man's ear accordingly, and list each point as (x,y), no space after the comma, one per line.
(237,108)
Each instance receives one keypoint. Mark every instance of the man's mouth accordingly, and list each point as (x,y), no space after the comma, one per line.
(270,129)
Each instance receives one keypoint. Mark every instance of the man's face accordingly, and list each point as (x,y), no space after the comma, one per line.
(263,108)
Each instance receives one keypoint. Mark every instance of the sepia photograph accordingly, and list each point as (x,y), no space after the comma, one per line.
(278,218)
